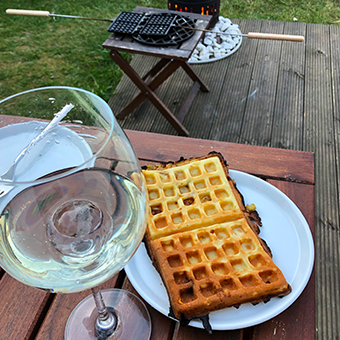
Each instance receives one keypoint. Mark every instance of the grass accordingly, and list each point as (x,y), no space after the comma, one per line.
(41,51)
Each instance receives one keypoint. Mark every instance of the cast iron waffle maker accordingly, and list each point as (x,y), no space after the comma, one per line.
(162,29)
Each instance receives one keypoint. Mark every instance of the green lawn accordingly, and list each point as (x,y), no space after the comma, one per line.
(42,51)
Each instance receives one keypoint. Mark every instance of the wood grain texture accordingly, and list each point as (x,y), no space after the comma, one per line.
(258,117)
(235,89)
(162,326)
(335,235)
(260,161)
(127,90)
(190,333)
(319,136)
(20,309)
(287,131)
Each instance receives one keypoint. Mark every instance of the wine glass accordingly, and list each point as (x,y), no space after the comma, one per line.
(73,206)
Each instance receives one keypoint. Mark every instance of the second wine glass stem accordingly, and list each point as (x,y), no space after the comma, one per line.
(106,321)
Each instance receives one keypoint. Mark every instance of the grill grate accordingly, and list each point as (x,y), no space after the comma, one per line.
(162,29)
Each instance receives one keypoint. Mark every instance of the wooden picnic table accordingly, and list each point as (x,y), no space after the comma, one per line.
(28,313)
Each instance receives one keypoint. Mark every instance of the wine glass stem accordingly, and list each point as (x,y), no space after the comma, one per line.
(106,321)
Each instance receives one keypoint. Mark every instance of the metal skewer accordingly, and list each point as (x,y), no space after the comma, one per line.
(251,35)
(255,35)
(48,14)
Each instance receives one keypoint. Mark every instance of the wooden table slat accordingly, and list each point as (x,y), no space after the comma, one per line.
(260,161)
(162,326)
(20,308)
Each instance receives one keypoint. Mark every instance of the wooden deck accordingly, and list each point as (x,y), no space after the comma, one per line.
(277,94)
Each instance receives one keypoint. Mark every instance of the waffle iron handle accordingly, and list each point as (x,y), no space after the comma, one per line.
(271,36)
(28,12)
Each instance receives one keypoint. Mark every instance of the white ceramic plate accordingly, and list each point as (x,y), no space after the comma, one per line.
(288,236)
(66,149)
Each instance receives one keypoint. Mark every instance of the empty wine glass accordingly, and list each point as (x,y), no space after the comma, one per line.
(73,206)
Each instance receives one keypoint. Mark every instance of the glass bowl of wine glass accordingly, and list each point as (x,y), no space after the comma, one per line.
(73,206)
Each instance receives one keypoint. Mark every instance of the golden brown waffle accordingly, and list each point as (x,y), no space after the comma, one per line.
(204,242)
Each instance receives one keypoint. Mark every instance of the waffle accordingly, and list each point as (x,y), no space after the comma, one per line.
(204,242)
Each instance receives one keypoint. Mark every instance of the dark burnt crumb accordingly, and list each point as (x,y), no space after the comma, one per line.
(189,201)
(206,323)
(183,320)
(156,210)
(255,217)
(171,313)
(221,156)
(266,247)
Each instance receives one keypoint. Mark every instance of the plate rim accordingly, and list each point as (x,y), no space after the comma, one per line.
(24,126)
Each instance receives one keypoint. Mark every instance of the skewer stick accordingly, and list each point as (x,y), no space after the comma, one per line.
(255,35)
(47,14)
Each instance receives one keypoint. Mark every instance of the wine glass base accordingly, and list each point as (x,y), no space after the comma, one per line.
(133,317)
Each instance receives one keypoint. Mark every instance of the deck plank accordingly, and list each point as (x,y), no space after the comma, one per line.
(319,137)
(258,118)
(287,129)
(180,84)
(126,90)
(235,88)
(335,61)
